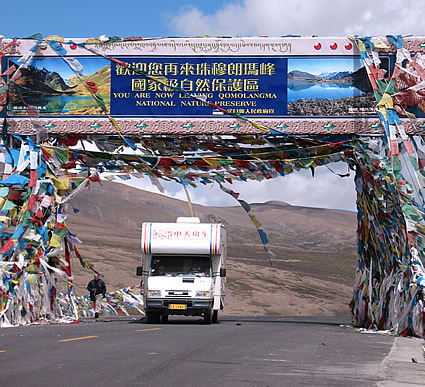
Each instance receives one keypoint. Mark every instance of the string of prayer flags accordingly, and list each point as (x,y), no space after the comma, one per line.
(391,221)
(254,220)
(119,302)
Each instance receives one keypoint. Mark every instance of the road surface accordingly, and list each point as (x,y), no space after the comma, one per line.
(238,351)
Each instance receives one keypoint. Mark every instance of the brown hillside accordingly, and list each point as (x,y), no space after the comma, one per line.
(315,249)
(102,78)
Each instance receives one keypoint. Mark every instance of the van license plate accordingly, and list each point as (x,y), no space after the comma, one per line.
(177,306)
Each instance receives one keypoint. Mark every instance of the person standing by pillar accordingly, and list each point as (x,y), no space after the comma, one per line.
(97,290)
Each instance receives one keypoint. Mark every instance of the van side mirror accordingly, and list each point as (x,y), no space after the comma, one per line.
(139,271)
(222,272)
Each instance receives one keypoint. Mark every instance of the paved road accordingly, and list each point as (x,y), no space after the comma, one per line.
(250,351)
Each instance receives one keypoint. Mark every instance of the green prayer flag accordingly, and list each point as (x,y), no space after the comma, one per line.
(99,100)
(36,36)
(396,167)
(411,213)
(60,232)
(32,269)
(382,86)
(378,95)
(414,162)
(306,163)
(245,205)
(26,219)
(9,205)
(4,191)
(62,156)
(391,87)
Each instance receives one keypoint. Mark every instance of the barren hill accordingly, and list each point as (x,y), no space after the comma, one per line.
(102,78)
(315,248)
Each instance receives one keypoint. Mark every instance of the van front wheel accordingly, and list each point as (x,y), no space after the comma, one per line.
(208,317)
(153,317)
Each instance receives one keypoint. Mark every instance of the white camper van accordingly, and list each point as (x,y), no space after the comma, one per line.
(183,269)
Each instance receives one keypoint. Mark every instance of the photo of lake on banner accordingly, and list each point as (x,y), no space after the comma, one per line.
(328,87)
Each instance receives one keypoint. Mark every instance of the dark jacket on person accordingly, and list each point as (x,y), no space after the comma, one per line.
(96,287)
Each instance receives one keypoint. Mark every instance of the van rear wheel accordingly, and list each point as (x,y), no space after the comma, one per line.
(208,317)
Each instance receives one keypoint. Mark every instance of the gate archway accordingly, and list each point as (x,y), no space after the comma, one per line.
(41,152)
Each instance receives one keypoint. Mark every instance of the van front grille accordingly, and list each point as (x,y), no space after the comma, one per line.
(178,293)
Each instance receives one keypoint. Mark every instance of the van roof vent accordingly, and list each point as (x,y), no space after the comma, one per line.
(188,220)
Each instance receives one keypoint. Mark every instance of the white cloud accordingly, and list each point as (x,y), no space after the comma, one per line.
(325,190)
(303,17)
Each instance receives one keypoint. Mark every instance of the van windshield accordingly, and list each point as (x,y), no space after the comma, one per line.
(181,266)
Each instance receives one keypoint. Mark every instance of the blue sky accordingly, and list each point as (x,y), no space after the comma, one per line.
(90,18)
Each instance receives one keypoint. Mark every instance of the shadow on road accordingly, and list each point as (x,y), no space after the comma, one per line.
(298,320)
(310,320)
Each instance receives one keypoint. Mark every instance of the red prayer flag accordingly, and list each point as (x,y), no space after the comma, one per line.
(91,86)
(33,178)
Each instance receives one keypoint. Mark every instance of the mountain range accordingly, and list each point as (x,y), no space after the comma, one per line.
(102,78)
(358,78)
(42,82)
(335,74)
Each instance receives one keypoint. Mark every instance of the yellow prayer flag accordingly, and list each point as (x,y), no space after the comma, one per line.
(162,80)
(421,227)
(55,241)
(61,183)
(361,45)
(383,112)
(255,221)
(92,41)
(379,43)
(49,174)
(88,265)
(259,126)
(115,123)
(209,161)
(386,101)
(48,150)
(57,38)
(13,213)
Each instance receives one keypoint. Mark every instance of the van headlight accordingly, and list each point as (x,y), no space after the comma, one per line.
(202,294)
(154,293)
